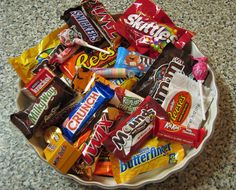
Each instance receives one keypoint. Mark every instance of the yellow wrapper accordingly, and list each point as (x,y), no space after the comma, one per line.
(29,58)
(154,154)
(60,153)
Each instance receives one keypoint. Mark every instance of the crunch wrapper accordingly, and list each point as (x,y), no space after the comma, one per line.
(123,99)
(30,58)
(132,132)
(149,29)
(154,154)
(84,110)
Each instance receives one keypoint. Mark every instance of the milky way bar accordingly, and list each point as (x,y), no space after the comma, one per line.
(76,17)
(56,96)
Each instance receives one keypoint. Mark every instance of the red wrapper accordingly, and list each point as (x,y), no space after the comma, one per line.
(179,133)
(149,29)
(134,130)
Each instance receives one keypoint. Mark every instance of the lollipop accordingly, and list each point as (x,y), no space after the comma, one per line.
(200,71)
(71,37)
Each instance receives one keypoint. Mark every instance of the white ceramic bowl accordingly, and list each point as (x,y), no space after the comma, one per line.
(154,176)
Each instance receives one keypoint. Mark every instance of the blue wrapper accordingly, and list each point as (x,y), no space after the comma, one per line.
(133,62)
(85,109)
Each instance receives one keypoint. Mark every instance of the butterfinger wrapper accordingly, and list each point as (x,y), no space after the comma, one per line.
(154,154)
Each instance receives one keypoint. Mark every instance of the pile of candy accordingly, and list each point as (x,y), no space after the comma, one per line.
(113,97)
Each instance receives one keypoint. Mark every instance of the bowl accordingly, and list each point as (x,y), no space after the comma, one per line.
(156,175)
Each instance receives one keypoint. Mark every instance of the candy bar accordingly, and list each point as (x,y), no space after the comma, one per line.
(59,153)
(154,154)
(88,32)
(93,146)
(134,130)
(103,20)
(52,99)
(84,110)
(37,85)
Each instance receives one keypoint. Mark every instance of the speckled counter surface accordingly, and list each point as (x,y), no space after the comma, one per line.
(24,23)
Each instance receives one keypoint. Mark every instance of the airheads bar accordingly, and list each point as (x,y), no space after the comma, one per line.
(84,110)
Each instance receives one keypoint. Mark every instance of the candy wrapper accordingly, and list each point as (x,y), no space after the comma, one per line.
(92,147)
(103,165)
(154,154)
(156,81)
(59,153)
(103,20)
(134,63)
(183,106)
(88,31)
(85,109)
(123,99)
(88,60)
(183,103)
(55,97)
(149,29)
(132,132)
(30,58)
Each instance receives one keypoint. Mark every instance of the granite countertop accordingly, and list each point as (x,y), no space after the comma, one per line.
(24,23)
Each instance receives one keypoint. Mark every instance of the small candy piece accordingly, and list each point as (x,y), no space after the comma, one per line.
(103,165)
(149,29)
(59,153)
(200,72)
(182,102)
(103,21)
(30,58)
(54,98)
(114,72)
(85,109)
(152,155)
(132,132)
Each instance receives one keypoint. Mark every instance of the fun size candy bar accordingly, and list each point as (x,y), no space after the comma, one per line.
(134,130)
(88,32)
(103,20)
(55,97)
(92,148)
(84,110)
(34,88)
(154,154)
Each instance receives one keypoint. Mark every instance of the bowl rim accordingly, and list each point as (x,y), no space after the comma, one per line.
(164,174)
